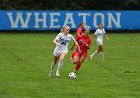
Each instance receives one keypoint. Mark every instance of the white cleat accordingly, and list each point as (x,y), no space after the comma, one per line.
(51,73)
(57,74)
(91,57)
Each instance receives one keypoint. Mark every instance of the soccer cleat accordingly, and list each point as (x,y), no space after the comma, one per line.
(91,57)
(57,74)
(74,71)
(51,73)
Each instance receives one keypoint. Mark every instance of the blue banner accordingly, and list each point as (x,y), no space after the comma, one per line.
(54,20)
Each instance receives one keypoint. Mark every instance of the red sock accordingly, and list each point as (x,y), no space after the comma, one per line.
(77,66)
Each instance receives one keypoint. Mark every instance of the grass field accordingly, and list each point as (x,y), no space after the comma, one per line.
(25,61)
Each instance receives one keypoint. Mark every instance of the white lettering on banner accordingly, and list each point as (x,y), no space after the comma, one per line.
(69,16)
(37,20)
(95,19)
(84,15)
(53,20)
(19,17)
(116,22)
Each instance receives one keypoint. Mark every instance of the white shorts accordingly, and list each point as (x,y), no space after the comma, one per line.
(59,50)
(99,43)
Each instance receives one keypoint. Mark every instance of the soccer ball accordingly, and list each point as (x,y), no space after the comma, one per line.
(72,75)
(87,27)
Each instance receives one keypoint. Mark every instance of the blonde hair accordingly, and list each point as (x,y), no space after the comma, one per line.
(62,30)
(64,27)
(68,27)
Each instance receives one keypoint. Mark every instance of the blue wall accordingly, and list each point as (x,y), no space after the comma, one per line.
(54,20)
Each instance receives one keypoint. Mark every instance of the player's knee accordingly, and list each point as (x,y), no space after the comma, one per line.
(98,50)
(101,50)
(61,60)
(54,62)
(75,61)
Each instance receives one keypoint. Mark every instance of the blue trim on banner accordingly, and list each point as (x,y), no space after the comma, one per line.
(54,20)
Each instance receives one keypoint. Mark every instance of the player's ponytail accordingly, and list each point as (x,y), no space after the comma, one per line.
(62,30)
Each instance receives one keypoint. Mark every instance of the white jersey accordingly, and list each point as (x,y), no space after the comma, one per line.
(100,34)
(64,42)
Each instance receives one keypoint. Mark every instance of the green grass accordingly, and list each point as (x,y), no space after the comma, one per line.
(25,61)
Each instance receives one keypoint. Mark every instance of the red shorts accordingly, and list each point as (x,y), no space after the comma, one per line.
(76,53)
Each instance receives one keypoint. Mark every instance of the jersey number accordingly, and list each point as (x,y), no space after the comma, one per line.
(63,43)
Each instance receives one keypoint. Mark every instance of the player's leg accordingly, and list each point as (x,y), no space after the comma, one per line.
(93,55)
(96,51)
(102,52)
(81,60)
(54,62)
(56,56)
(62,56)
(72,57)
(53,65)
(76,57)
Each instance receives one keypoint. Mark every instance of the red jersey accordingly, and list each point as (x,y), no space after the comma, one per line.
(79,32)
(82,41)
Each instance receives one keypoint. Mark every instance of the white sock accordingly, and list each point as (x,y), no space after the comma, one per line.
(102,55)
(94,53)
(53,65)
(59,66)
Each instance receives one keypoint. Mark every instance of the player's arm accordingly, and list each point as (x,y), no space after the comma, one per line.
(78,47)
(76,43)
(94,34)
(105,34)
(78,32)
(88,45)
(56,40)
(106,37)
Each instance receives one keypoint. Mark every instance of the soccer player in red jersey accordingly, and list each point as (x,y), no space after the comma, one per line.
(84,42)
(79,32)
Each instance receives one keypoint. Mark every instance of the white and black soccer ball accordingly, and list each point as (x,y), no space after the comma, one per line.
(87,27)
(72,75)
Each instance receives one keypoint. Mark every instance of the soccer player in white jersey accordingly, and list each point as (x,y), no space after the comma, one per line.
(61,49)
(100,33)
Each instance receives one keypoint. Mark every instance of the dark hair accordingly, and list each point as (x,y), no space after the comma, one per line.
(81,23)
(101,24)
